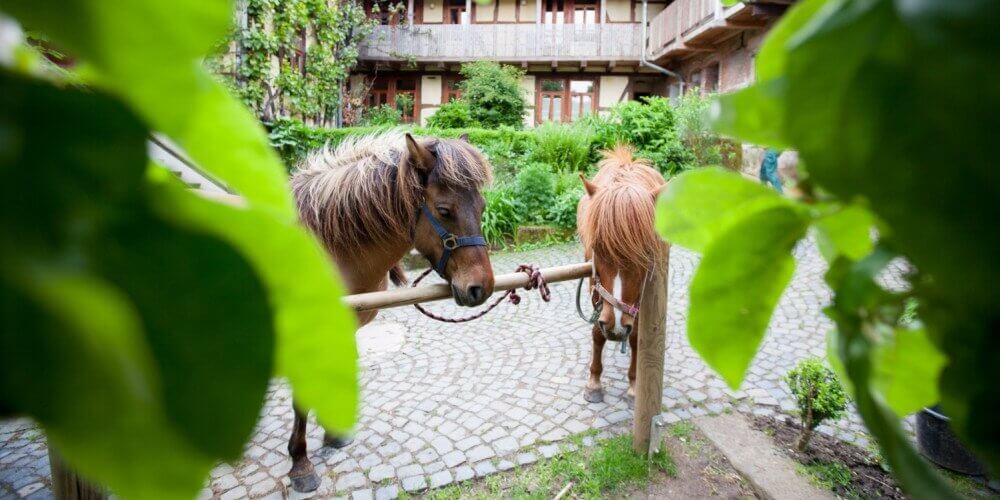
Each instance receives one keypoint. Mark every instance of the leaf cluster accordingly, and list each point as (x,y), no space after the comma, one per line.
(817,391)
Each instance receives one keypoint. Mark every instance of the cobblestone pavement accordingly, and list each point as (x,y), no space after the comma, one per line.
(444,403)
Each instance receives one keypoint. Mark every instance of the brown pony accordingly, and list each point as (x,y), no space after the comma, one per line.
(370,201)
(616,223)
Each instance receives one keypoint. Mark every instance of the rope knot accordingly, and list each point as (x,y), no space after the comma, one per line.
(535,282)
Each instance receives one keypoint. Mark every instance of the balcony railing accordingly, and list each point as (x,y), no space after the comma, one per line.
(504,42)
(683,23)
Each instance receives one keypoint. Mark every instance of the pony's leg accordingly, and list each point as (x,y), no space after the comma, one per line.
(594,393)
(302,475)
(633,345)
(331,439)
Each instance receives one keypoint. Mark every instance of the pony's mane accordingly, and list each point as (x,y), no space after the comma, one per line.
(364,192)
(618,222)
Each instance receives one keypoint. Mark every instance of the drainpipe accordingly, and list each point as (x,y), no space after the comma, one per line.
(642,50)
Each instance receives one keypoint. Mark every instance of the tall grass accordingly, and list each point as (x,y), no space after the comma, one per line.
(564,148)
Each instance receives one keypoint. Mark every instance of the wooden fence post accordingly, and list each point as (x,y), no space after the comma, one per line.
(68,485)
(649,359)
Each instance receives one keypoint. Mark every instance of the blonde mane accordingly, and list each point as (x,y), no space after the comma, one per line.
(364,191)
(618,222)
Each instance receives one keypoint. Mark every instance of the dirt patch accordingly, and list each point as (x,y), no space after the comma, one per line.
(867,478)
(702,472)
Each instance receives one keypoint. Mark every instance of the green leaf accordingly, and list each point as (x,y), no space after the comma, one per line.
(71,202)
(771,58)
(699,205)
(845,232)
(756,114)
(737,285)
(73,356)
(854,284)
(149,52)
(316,349)
(906,368)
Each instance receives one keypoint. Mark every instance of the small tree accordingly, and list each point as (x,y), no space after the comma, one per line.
(453,114)
(494,94)
(819,395)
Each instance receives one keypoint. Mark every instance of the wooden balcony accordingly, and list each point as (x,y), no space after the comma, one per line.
(688,26)
(504,42)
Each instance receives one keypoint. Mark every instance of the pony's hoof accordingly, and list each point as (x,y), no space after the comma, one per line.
(593,395)
(337,441)
(306,483)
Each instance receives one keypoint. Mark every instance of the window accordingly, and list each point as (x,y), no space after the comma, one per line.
(555,12)
(450,89)
(455,12)
(565,99)
(400,91)
(585,12)
(711,83)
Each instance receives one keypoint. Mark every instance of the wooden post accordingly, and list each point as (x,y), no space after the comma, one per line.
(649,359)
(68,485)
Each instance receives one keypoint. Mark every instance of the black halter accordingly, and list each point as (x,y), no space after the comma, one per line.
(449,241)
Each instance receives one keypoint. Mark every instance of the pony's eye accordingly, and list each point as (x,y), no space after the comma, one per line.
(444,211)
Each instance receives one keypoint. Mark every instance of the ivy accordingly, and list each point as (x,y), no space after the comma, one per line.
(293,56)
(872,94)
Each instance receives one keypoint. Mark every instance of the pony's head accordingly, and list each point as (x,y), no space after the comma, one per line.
(451,173)
(616,222)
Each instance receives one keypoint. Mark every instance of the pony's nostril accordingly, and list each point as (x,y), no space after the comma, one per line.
(476,293)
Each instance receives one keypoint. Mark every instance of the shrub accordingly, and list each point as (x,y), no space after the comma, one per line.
(566,148)
(500,215)
(706,147)
(534,188)
(819,396)
(562,211)
(651,127)
(494,94)
(383,115)
(453,114)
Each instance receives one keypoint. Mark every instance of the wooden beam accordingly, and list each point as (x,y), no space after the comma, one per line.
(649,358)
(415,295)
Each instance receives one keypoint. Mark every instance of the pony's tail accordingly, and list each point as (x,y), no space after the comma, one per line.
(397,276)
(622,223)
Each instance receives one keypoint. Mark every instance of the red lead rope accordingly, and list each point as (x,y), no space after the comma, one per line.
(535,282)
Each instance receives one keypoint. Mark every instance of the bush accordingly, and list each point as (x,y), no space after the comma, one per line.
(819,396)
(566,148)
(384,115)
(562,212)
(453,114)
(500,215)
(494,94)
(706,147)
(534,189)
(651,127)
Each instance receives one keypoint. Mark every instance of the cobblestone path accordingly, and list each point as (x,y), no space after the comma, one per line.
(444,403)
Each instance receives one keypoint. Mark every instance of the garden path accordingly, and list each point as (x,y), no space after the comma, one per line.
(444,403)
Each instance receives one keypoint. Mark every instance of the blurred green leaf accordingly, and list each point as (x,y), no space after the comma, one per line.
(698,206)
(316,349)
(149,52)
(848,232)
(756,114)
(85,253)
(737,285)
(85,374)
(905,370)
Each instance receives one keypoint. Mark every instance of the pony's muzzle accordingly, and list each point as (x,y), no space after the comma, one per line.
(469,296)
(616,334)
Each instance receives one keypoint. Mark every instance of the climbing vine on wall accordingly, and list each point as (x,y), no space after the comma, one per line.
(291,58)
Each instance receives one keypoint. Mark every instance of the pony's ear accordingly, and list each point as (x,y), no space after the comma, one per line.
(464,137)
(421,158)
(588,186)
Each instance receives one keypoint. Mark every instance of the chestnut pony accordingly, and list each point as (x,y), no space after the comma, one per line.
(616,223)
(374,198)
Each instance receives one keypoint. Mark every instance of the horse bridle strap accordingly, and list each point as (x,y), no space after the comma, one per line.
(617,304)
(449,240)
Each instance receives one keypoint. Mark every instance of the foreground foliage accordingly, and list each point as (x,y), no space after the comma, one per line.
(865,91)
(141,322)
